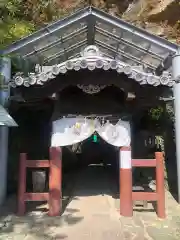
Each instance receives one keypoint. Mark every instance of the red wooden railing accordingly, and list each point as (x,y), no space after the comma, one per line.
(54,196)
(159,194)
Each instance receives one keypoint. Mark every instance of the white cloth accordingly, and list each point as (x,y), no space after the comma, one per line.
(68,131)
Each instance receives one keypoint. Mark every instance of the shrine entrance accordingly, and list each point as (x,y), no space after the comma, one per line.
(103,114)
(95,177)
(94,138)
(94,74)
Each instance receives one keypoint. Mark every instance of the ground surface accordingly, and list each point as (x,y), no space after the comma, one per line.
(91,212)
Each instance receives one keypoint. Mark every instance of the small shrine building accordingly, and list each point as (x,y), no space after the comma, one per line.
(76,58)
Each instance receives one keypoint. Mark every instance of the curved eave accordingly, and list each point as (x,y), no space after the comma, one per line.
(47,73)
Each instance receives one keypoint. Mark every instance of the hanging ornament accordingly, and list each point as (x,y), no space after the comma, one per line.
(95,138)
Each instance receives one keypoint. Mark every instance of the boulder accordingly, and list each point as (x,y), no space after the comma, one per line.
(165,10)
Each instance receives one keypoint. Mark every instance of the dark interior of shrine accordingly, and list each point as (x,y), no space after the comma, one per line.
(34,119)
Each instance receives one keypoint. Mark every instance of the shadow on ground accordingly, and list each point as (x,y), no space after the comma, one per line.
(36,222)
(98,180)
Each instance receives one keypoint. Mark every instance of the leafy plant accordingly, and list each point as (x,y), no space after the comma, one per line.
(156,113)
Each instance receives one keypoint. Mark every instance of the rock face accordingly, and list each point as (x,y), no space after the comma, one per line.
(165,10)
(160,17)
(152,9)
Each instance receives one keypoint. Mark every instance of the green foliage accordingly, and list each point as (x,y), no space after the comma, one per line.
(12,24)
(19,18)
(156,113)
(159,141)
(13,31)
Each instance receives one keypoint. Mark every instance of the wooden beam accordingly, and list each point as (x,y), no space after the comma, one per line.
(36,196)
(144,162)
(143,196)
(37,163)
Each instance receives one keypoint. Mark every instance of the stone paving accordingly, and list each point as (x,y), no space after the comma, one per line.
(91,214)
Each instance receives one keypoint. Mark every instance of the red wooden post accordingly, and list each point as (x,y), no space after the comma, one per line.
(55,181)
(126,203)
(22,184)
(160,189)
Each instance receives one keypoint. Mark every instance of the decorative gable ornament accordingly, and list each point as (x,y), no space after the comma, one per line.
(91,89)
(91,58)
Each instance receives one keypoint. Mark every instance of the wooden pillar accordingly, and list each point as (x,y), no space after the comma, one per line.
(55,181)
(126,203)
(160,189)
(22,184)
